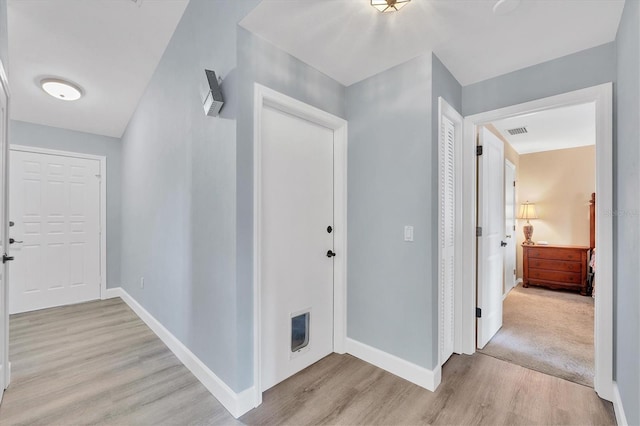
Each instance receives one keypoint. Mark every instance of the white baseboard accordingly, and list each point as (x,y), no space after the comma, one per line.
(621,418)
(112,293)
(236,403)
(428,379)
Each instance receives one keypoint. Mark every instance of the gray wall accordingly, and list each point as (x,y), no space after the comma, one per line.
(390,184)
(582,69)
(187,203)
(261,62)
(626,222)
(446,86)
(178,197)
(36,135)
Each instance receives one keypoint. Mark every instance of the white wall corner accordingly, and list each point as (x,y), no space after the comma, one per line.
(423,377)
(621,418)
(236,403)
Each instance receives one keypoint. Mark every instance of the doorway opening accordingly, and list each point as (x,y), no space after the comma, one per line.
(547,320)
(601,97)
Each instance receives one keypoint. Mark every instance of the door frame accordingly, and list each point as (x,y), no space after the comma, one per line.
(601,95)
(509,164)
(4,80)
(103,200)
(264,96)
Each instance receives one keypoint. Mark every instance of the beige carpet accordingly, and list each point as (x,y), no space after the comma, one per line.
(548,331)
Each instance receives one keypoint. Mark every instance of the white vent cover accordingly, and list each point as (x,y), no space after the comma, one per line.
(517,131)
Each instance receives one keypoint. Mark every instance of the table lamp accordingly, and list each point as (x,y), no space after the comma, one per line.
(528,211)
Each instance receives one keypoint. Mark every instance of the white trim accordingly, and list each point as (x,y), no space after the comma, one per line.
(618,408)
(103,201)
(264,96)
(4,81)
(112,293)
(236,403)
(602,96)
(423,377)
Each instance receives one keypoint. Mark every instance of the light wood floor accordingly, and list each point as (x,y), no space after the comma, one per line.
(97,363)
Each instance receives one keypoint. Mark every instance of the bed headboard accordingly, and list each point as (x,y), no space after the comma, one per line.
(592,221)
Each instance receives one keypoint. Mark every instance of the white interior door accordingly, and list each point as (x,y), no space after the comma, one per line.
(55,204)
(296,271)
(490,244)
(449,192)
(509,226)
(4,245)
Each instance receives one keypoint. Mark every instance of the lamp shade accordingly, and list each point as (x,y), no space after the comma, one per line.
(389,5)
(527,211)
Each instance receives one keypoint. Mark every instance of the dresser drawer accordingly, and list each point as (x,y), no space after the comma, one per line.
(558,276)
(554,253)
(555,265)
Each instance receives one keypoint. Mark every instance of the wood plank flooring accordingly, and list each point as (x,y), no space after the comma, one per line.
(97,363)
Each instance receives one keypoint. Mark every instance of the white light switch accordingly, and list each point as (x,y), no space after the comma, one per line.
(408,233)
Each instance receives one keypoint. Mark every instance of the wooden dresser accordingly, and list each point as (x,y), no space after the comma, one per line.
(557,267)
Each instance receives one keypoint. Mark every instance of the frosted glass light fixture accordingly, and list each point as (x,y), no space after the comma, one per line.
(61,89)
(389,5)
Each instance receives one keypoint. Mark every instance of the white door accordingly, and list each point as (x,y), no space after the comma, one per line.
(296,271)
(490,244)
(55,204)
(449,189)
(509,226)
(4,245)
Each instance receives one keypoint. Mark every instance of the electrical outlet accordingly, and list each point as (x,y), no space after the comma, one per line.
(141,282)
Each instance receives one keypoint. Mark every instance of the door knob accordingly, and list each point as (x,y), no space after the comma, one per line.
(503,244)
(330,253)
(11,223)
(6,258)
(13,241)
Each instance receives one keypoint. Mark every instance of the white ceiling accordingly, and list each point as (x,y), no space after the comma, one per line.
(110,48)
(560,128)
(349,40)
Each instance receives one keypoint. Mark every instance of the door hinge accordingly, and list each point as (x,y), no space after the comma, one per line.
(514,183)
(479,150)
(479,231)
(478,313)
(514,272)
(514,227)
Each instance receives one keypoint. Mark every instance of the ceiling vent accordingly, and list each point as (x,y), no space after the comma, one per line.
(517,131)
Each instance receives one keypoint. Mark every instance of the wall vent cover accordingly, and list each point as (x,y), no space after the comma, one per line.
(518,131)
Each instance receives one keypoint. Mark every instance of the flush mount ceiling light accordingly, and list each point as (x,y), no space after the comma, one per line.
(389,5)
(61,89)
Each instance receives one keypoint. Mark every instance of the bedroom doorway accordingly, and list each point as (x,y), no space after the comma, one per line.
(601,98)
(548,318)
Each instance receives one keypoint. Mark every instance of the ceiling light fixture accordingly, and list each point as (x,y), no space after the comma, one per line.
(61,89)
(389,5)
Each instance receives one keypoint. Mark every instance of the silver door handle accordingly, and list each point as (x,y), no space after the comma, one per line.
(12,241)
(508,236)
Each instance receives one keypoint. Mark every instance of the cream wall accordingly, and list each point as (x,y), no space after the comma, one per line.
(560,183)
